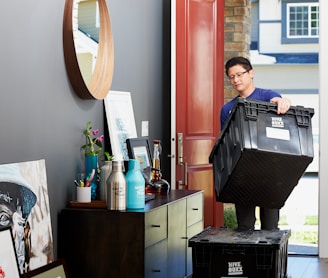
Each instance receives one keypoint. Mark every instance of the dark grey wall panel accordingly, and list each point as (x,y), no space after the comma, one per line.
(41,116)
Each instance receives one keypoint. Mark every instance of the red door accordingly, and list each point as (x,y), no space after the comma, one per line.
(199,96)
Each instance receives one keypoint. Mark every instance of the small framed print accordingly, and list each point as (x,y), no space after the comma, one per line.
(8,257)
(56,269)
(138,148)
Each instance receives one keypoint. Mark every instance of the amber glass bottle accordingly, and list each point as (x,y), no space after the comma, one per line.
(156,171)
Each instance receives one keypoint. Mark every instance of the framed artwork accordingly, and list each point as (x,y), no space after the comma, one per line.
(138,148)
(8,259)
(120,121)
(24,199)
(56,269)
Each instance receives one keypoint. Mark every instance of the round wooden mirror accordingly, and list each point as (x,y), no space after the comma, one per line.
(96,84)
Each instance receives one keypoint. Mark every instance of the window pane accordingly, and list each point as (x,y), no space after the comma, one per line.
(303,20)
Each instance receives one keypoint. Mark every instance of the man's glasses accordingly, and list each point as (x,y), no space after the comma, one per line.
(238,75)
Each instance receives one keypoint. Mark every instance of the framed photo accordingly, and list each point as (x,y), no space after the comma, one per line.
(120,121)
(8,258)
(138,148)
(56,269)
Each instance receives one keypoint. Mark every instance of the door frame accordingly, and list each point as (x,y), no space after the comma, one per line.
(173,94)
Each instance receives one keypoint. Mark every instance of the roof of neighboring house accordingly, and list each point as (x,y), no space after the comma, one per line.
(295,58)
(257,58)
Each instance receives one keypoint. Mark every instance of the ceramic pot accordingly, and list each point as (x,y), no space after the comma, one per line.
(91,162)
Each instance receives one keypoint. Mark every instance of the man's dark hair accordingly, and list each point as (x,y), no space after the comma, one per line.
(238,61)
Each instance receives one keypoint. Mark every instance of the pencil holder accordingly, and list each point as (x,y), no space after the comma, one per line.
(83,194)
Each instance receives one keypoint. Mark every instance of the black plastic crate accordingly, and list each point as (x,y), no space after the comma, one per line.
(260,156)
(227,253)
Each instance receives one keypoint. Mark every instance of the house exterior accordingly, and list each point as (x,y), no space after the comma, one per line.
(286,27)
(284,52)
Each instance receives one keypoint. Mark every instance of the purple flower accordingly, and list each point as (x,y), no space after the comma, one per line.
(101,138)
(94,145)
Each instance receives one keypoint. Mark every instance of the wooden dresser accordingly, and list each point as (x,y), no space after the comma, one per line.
(148,243)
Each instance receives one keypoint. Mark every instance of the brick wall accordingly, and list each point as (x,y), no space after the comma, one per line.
(237,32)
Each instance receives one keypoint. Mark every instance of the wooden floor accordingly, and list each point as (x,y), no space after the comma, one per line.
(307,267)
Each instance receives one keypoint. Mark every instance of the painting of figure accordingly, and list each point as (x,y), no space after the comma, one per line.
(24,206)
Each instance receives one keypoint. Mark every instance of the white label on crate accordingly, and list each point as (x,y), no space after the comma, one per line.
(235,268)
(277,133)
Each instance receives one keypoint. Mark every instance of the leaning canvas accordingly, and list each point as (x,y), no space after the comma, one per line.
(24,205)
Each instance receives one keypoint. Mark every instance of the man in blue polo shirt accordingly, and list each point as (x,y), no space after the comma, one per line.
(240,74)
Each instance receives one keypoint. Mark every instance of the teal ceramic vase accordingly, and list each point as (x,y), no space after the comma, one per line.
(91,162)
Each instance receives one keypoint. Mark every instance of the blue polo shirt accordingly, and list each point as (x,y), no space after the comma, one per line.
(258,94)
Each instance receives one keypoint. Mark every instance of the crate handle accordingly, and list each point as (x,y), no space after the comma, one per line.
(262,242)
(234,252)
(303,118)
(252,109)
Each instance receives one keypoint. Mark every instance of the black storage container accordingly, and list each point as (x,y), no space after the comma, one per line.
(226,253)
(260,156)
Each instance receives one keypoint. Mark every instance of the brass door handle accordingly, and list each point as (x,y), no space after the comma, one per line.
(185,170)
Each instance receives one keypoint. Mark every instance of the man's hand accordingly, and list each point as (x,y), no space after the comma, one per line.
(283,104)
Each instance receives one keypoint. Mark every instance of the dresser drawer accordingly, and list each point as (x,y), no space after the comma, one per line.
(155,226)
(156,260)
(194,209)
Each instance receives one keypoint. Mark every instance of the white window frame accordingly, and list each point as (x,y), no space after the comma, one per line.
(310,21)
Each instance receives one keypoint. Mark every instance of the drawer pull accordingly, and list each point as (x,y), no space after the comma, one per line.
(156,270)
(194,208)
(156,226)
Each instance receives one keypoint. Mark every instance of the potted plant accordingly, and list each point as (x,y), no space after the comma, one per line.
(92,152)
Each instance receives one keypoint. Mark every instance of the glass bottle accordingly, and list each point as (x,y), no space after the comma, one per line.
(135,183)
(156,171)
(116,187)
(157,184)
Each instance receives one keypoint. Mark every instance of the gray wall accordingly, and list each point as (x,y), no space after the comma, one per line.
(40,115)
(141,31)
